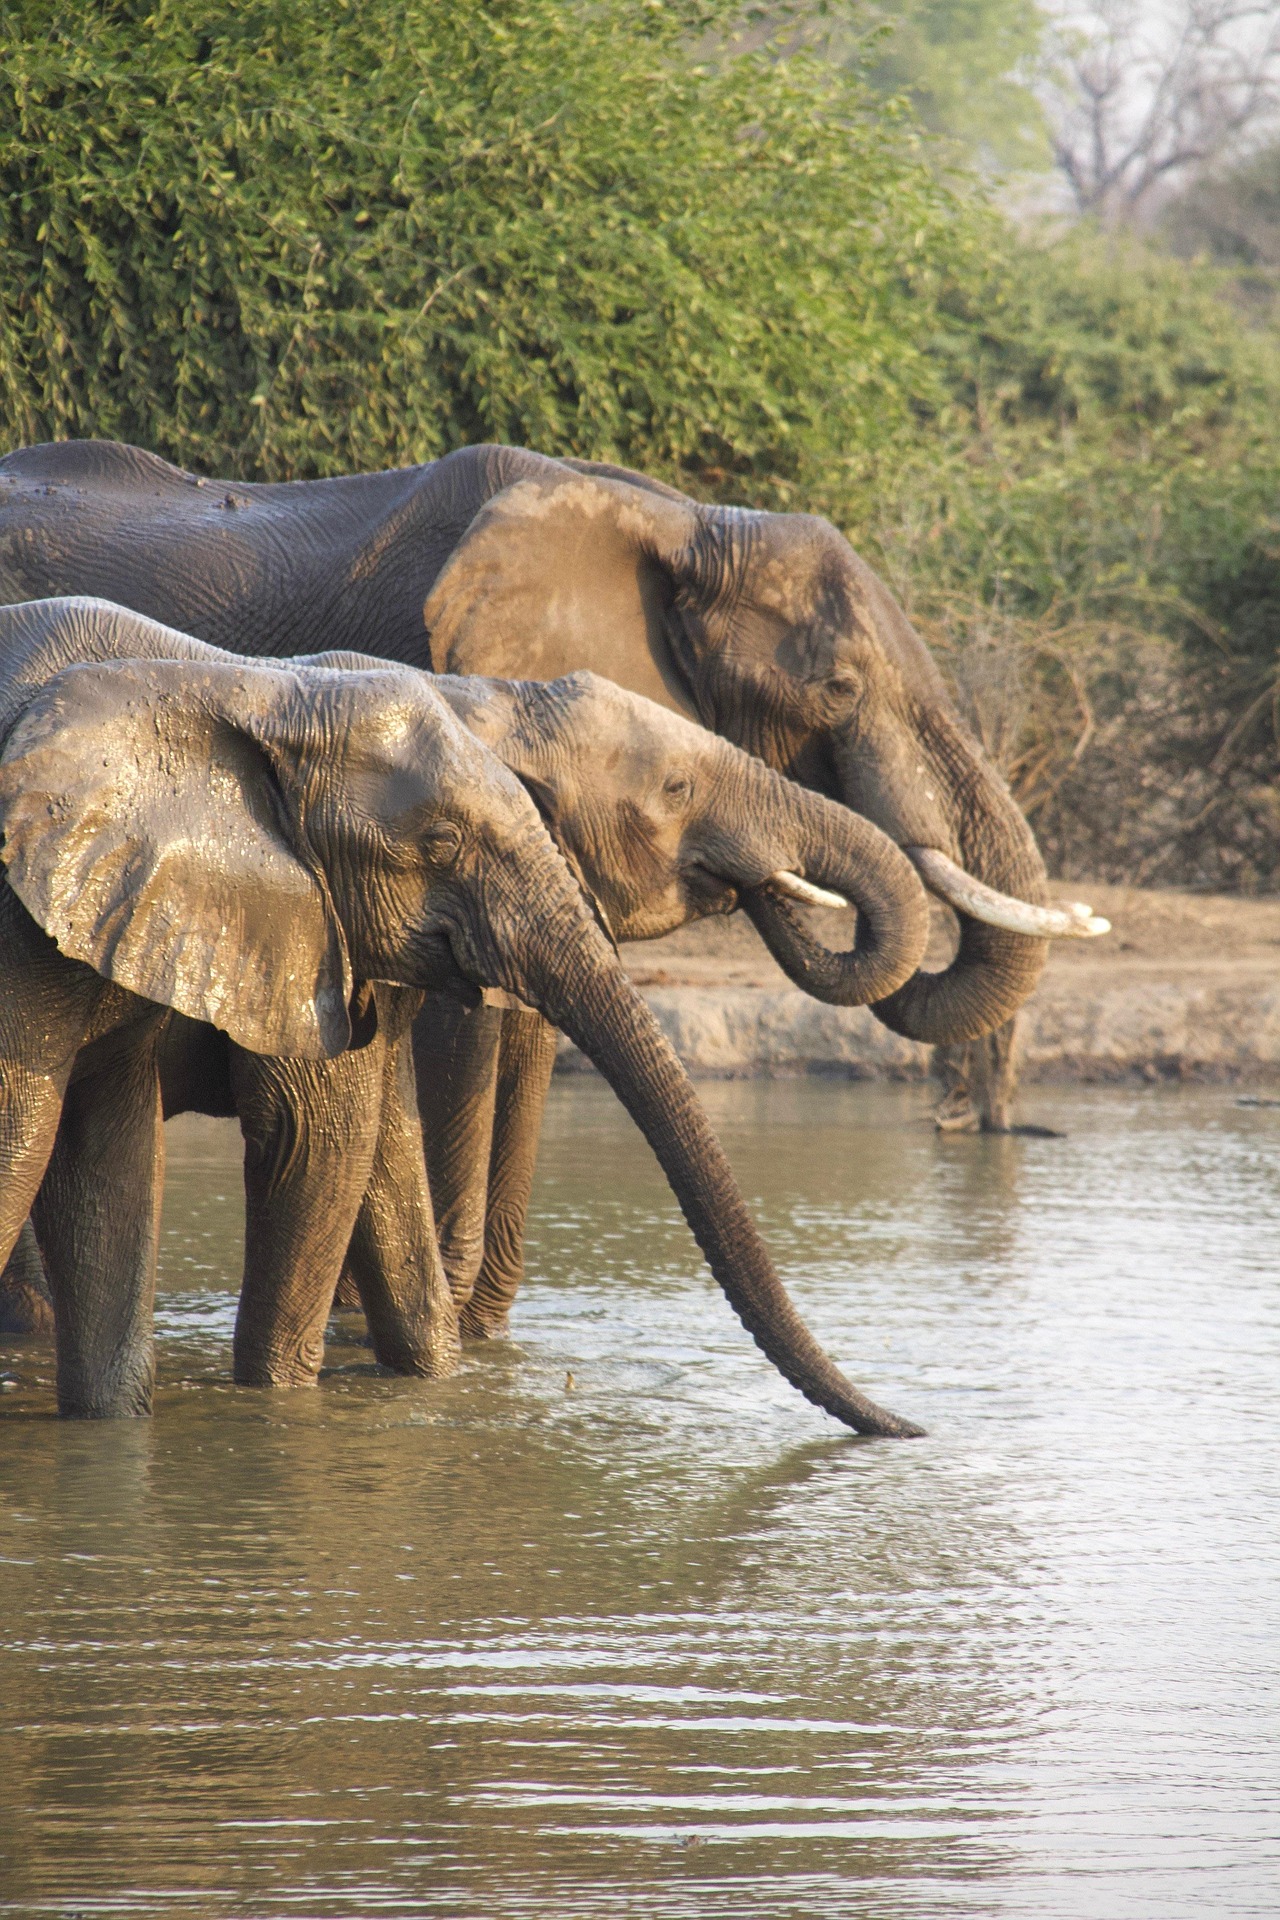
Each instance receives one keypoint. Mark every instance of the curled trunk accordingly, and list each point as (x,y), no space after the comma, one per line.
(614,1028)
(840,852)
(993,970)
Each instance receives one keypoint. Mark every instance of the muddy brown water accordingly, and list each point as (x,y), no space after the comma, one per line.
(662,1641)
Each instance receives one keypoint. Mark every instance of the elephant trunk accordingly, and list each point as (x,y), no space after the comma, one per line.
(994,969)
(843,854)
(595,1005)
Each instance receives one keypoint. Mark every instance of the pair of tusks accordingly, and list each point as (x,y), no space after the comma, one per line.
(1071,921)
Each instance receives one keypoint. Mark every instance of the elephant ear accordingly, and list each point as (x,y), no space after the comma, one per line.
(146,831)
(564,571)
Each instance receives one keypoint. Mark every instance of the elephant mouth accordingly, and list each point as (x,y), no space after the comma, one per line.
(437,969)
(707,892)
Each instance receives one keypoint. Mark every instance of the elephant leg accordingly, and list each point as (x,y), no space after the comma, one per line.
(525,1062)
(26,1305)
(980,1079)
(952,1065)
(310,1129)
(995,1076)
(36,1059)
(346,1298)
(394,1260)
(455,1052)
(97,1218)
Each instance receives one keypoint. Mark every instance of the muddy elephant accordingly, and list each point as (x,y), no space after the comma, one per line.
(663,823)
(765,628)
(254,845)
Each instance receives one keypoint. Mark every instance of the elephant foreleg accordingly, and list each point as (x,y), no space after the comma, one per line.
(44,1012)
(995,1076)
(393,1259)
(456,1051)
(310,1129)
(979,1079)
(525,1062)
(97,1218)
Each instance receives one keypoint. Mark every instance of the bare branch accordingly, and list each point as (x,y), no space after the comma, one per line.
(1136,99)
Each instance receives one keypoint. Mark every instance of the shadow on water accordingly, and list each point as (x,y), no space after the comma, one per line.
(665,1642)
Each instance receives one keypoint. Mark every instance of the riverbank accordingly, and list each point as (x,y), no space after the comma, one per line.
(1186,987)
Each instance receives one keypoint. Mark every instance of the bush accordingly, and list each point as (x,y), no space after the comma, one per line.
(305,236)
(1090,539)
(271,238)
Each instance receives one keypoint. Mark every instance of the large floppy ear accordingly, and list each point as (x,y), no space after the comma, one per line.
(564,571)
(147,831)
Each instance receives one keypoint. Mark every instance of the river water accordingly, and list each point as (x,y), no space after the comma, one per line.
(615,1624)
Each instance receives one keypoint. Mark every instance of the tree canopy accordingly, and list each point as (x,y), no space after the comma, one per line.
(273,238)
(285,237)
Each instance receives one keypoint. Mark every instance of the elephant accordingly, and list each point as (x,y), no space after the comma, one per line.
(661,823)
(255,845)
(765,628)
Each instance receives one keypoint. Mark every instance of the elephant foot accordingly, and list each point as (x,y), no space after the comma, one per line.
(957,1113)
(256,1366)
(476,1324)
(435,1363)
(135,1407)
(98,1393)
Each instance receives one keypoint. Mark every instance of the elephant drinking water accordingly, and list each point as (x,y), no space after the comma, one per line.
(766,628)
(253,845)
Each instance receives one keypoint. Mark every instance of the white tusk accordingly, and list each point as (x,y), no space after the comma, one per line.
(1071,921)
(800,889)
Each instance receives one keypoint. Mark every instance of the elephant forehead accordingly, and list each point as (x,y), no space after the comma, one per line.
(618,726)
(792,581)
(456,774)
(394,724)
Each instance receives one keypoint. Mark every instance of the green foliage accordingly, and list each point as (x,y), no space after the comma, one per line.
(282,237)
(966,67)
(299,236)
(1090,538)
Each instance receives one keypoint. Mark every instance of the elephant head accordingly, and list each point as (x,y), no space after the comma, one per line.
(251,844)
(665,823)
(768,629)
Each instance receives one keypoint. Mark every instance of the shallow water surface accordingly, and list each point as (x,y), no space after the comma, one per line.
(614,1623)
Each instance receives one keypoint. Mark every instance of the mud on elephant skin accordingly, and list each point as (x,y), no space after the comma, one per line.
(251,845)
(765,627)
(663,823)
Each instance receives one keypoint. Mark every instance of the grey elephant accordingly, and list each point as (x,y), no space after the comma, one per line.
(765,628)
(252,845)
(662,823)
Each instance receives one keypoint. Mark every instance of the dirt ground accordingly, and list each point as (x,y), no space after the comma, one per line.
(1158,932)
(1185,988)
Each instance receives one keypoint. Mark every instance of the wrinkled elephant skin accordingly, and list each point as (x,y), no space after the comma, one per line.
(251,845)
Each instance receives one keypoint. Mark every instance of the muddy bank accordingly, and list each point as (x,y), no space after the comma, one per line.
(1186,988)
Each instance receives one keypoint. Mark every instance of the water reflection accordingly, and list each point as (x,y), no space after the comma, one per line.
(665,1642)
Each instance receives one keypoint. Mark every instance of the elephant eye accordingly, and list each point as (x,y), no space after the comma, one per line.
(442,843)
(677,789)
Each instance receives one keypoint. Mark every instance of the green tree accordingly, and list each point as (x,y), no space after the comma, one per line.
(287,237)
(967,66)
(278,237)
